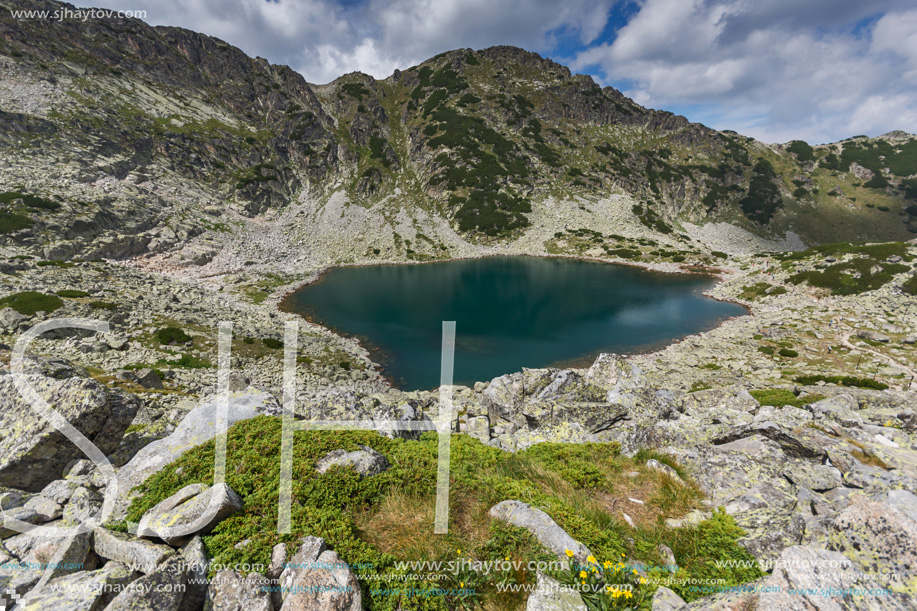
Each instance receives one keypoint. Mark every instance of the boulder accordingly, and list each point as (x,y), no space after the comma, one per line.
(46,509)
(317,578)
(819,478)
(195,557)
(84,505)
(161,590)
(197,428)
(231,591)
(841,408)
(549,595)
(82,591)
(32,452)
(801,575)
(195,509)
(148,378)
(665,599)
(365,461)
(880,536)
(873,336)
(30,516)
(800,444)
(138,554)
(478,427)
(540,524)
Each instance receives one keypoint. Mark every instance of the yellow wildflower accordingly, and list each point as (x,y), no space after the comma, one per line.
(582,575)
(591,559)
(569,553)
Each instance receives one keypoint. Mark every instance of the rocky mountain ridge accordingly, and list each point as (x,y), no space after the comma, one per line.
(122,139)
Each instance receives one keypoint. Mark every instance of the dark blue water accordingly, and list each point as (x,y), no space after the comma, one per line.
(510,312)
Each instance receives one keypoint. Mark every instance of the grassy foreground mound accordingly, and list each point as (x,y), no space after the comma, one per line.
(384,520)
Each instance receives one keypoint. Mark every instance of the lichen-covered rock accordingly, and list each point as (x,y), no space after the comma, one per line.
(366,461)
(542,526)
(32,452)
(82,591)
(161,590)
(198,427)
(800,444)
(880,537)
(665,599)
(139,554)
(195,557)
(231,591)
(82,506)
(195,509)
(549,595)
(813,476)
(317,578)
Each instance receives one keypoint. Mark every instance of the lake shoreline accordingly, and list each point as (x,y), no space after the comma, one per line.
(716,274)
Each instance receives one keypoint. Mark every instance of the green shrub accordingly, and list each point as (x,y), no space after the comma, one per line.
(755,291)
(72,293)
(910,285)
(708,552)
(802,150)
(768,350)
(272,343)
(851,381)
(788,352)
(248,340)
(172,335)
(339,504)
(11,221)
(778,397)
(29,302)
(187,361)
(31,201)
(103,305)
(719,254)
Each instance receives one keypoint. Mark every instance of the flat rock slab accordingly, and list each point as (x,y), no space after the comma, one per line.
(195,509)
(161,590)
(540,524)
(83,591)
(32,452)
(197,428)
(139,554)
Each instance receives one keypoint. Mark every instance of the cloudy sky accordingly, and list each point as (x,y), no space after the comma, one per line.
(818,70)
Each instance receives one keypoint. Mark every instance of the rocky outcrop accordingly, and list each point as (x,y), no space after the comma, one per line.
(33,453)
